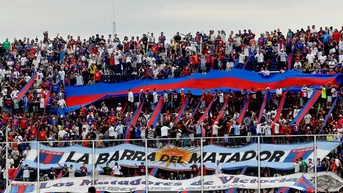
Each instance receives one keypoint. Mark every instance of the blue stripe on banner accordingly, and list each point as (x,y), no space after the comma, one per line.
(307,107)
(133,119)
(14,189)
(29,189)
(154,117)
(262,108)
(329,114)
(42,157)
(196,109)
(56,159)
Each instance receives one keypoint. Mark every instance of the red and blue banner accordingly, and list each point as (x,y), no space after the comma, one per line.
(185,191)
(231,190)
(283,190)
(196,108)
(154,171)
(49,157)
(60,175)
(220,115)
(243,170)
(133,121)
(140,191)
(206,111)
(13,172)
(262,108)
(306,184)
(27,87)
(235,80)
(243,111)
(182,109)
(307,107)
(22,188)
(282,102)
(154,117)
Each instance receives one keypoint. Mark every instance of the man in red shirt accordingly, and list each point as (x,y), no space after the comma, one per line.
(98,75)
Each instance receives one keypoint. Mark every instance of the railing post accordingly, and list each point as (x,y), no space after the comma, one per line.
(38,167)
(202,164)
(146,167)
(259,162)
(315,164)
(93,164)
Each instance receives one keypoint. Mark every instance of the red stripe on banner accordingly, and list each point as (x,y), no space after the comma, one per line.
(206,111)
(262,108)
(308,106)
(220,115)
(48,158)
(83,100)
(282,102)
(180,112)
(299,154)
(133,121)
(21,189)
(156,112)
(244,110)
(27,87)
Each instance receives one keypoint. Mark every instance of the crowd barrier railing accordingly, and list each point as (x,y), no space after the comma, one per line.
(175,164)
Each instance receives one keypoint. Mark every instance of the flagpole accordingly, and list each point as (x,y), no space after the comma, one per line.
(259,162)
(202,164)
(114,18)
(38,168)
(315,165)
(146,167)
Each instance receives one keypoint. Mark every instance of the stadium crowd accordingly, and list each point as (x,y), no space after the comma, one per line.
(56,62)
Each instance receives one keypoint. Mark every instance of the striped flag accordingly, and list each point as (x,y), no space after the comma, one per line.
(283,190)
(220,115)
(231,190)
(243,170)
(154,117)
(153,172)
(140,191)
(185,191)
(243,111)
(179,114)
(307,107)
(133,122)
(196,109)
(206,111)
(60,175)
(262,108)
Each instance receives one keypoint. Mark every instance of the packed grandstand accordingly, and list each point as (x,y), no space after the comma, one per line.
(238,111)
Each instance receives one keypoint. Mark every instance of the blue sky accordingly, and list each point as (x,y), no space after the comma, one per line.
(30,18)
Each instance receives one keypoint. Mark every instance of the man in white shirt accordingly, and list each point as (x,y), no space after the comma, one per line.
(164,131)
(26,173)
(116,170)
(130,100)
(155,97)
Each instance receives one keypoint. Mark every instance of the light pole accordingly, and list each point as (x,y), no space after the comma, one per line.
(114,18)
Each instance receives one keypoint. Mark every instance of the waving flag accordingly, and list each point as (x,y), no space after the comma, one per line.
(13,172)
(133,121)
(307,107)
(27,87)
(235,80)
(206,111)
(243,111)
(262,108)
(305,183)
(196,109)
(49,157)
(154,117)
(179,114)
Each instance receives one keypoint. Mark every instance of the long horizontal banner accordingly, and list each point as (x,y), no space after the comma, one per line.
(174,158)
(211,182)
(235,80)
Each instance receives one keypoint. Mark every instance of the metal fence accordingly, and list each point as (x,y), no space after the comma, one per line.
(258,156)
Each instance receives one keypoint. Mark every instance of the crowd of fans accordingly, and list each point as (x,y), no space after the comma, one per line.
(57,62)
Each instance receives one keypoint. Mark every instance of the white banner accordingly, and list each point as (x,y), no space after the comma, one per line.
(326,180)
